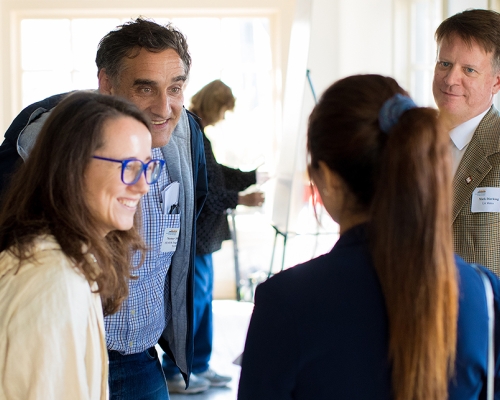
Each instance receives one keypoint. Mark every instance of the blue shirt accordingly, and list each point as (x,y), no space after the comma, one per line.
(142,318)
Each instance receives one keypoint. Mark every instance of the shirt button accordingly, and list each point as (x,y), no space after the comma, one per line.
(132,312)
(131,343)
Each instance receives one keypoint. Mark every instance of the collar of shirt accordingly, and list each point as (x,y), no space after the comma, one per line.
(461,137)
(462,134)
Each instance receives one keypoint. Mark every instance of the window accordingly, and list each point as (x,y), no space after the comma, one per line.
(425,17)
(58,55)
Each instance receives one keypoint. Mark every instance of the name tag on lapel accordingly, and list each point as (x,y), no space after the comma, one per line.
(486,199)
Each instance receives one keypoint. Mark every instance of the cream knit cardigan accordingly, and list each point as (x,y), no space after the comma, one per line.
(52,343)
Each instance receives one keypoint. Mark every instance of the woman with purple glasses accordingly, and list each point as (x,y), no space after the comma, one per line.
(67,228)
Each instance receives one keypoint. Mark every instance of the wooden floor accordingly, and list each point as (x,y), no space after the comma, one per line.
(231,320)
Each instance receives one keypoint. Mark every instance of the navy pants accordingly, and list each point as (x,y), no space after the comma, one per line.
(202,324)
(136,376)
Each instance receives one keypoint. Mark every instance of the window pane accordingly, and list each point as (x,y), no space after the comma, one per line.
(86,36)
(425,17)
(456,6)
(41,84)
(46,44)
(82,80)
(236,50)
(207,48)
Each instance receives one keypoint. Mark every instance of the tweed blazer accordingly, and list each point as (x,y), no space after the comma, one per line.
(476,235)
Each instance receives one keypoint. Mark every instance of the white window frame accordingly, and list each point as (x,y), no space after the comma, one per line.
(279,12)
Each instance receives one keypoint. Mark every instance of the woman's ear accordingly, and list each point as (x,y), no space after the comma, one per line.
(332,181)
(332,191)
(339,201)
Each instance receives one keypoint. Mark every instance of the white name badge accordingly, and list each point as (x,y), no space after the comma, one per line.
(486,199)
(169,241)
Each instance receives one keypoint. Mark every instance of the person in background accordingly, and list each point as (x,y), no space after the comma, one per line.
(149,65)
(66,230)
(466,78)
(224,184)
(389,312)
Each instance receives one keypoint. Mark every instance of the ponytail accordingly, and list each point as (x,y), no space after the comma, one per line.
(411,239)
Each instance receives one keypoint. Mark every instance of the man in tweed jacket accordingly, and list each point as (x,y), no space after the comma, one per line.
(466,78)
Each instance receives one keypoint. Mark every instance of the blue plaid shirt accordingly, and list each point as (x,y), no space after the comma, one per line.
(143,315)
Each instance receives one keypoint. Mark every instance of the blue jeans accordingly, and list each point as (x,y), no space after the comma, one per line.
(202,324)
(136,376)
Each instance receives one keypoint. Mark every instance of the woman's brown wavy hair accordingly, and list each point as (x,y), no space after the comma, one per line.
(46,195)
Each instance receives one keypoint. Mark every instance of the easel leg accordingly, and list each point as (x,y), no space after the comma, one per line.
(272,256)
(237,276)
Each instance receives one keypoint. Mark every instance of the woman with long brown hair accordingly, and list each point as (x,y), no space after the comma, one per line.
(389,313)
(66,233)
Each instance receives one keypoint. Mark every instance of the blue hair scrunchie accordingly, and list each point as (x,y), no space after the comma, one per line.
(392,110)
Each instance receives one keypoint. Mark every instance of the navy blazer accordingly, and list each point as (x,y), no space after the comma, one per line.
(10,159)
(320,331)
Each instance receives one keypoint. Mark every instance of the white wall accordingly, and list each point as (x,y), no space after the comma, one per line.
(456,6)
(345,38)
(348,38)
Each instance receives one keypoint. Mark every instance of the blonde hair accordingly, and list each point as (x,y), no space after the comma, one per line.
(210,100)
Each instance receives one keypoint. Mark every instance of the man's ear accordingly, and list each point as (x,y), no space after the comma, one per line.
(496,84)
(105,84)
